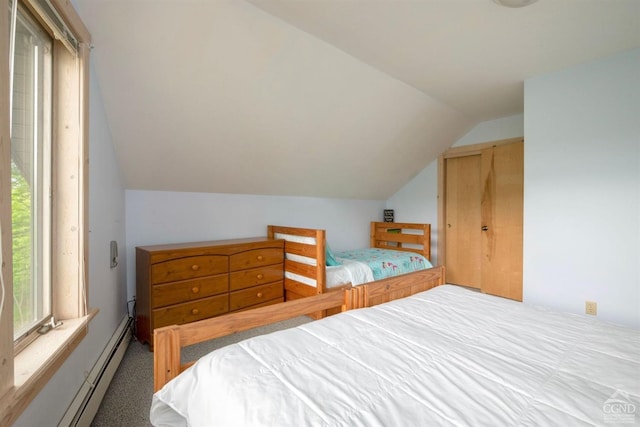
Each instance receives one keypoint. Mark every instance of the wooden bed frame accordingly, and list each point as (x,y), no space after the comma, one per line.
(401,236)
(169,340)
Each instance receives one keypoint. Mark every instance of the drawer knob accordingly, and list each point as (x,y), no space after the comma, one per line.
(195,289)
(259,294)
(260,257)
(260,276)
(195,311)
(195,267)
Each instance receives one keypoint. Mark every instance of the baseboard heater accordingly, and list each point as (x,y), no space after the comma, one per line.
(86,403)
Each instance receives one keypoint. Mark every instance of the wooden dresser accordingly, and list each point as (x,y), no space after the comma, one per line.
(182,283)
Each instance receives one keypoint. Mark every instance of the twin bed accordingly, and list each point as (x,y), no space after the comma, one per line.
(404,350)
(312,268)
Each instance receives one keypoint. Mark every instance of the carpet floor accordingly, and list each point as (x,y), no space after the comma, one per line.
(128,398)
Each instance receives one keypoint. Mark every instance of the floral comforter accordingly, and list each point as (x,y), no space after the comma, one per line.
(386,262)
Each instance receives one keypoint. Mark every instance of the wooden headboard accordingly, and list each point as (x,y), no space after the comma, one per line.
(402,236)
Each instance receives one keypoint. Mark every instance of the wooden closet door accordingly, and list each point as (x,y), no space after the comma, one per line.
(462,225)
(502,172)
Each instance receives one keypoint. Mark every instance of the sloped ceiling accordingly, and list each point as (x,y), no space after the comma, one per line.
(323,98)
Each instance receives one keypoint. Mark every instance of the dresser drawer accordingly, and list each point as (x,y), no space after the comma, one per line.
(188,268)
(190,311)
(255,276)
(188,290)
(179,283)
(255,295)
(256,258)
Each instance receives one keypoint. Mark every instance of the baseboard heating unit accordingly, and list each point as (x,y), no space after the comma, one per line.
(86,403)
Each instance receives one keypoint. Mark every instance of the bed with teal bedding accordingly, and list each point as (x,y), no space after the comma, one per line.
(386,262)
(311,267)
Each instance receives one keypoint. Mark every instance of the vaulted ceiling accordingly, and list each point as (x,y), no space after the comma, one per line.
(323,98)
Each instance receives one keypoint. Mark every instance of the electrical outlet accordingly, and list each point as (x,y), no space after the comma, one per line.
(591,307)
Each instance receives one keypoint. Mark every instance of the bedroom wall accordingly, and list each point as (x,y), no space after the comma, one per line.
(417,201)
(582,188)
(106,286)
(155,217)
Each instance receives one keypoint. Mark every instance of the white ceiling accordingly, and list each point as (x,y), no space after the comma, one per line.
(325,98)
(470,54)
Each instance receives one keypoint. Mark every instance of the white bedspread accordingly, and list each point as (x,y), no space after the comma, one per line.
(349,271)
(448,356)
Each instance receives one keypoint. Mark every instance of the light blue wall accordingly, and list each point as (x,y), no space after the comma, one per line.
(418,200)
(156,217)
(107,290)
(582,188)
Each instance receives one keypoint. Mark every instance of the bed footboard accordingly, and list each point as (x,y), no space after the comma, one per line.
(396,287)
(305,260)
(168,341)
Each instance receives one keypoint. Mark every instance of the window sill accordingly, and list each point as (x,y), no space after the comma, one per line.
(36,364)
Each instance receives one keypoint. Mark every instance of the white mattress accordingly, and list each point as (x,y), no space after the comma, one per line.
(448,356)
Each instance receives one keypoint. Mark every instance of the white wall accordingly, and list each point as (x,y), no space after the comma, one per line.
(107,290)
(418,200)
(494,130)
(156,217)
(582,188)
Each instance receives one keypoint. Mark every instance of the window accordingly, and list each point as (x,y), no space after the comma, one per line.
(31,174)
(43,194)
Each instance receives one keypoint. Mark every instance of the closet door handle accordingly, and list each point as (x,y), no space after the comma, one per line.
(484,228)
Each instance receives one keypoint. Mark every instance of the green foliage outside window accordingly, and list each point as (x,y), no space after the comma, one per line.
(21,217)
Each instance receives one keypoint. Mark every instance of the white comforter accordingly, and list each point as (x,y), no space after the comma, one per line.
(349,271)
(448,356)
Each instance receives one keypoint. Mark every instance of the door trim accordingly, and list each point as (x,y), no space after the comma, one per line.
(465,150)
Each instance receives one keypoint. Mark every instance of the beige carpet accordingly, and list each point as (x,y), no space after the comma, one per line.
(128,398)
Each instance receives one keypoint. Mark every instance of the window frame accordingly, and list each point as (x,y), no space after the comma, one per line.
(43,197)
(23,376)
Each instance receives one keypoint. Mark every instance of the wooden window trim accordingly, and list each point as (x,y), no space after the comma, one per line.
(39,362)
